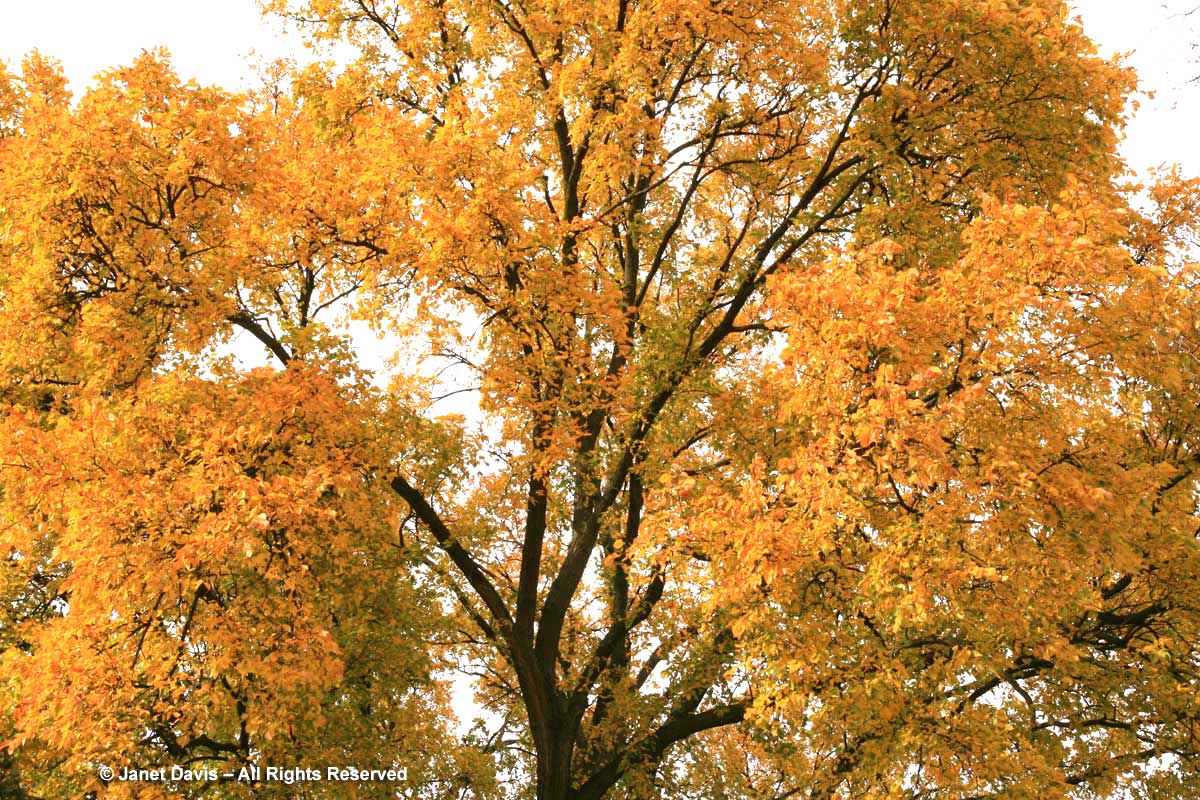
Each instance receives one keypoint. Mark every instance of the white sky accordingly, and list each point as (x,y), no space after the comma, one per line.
(209,40)
(1161,46)
(213,41)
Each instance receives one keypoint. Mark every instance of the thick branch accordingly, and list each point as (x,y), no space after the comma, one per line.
(460,557)
(652,747)
(245,321)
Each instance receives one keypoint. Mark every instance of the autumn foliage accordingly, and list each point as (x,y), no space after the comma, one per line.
(737,399)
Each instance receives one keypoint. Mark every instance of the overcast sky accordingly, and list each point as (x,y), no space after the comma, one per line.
(212,40)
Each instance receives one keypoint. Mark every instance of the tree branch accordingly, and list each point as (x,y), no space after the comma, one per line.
(467,565)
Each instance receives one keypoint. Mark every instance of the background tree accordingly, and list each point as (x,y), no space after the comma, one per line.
(832,437)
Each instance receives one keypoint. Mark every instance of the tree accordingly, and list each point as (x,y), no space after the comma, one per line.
(835,432)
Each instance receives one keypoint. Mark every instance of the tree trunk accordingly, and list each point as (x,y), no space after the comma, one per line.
(554,769)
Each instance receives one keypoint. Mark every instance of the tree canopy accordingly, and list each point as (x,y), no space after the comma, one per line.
(737,398)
